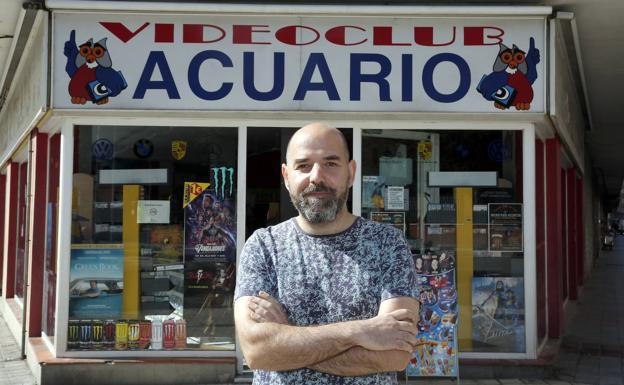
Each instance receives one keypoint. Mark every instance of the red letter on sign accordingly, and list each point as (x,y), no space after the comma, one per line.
(194,33)
(477,35)
(383,36)
(337,35)
(424,36)
(120,30)
(163,33)
(288,35)
(243,34)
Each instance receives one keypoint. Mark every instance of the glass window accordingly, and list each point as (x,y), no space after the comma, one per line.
(49,274)
(20,260)
(465,232)
(153,238)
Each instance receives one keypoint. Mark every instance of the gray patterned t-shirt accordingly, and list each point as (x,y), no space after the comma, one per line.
(326,279)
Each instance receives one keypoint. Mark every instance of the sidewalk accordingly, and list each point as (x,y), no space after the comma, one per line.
(13,370)
(592,350)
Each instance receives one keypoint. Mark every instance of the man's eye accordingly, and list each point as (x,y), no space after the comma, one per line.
(332,164)
(302,167)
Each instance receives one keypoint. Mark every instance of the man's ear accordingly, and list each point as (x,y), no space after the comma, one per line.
(285,175)
(352,168)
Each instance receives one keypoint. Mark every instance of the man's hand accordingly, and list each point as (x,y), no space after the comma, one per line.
(390,331)
(265,308)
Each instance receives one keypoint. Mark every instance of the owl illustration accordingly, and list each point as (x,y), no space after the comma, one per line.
(514,72)
(89,67)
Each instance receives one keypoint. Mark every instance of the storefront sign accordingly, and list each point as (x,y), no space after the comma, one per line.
(213,62)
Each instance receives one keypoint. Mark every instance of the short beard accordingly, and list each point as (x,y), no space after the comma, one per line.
(319,210)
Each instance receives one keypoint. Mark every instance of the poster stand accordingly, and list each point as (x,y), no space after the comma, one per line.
(436,350)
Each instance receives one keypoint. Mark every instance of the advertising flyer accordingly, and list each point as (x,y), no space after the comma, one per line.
(498,314)
(436,350)
(505,230)
(373,191)
(96,281)
(396,219)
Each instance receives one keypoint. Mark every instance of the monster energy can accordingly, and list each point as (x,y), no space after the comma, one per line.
(109,334)
(134,332)
(86,334)
(156,342)
(180,334)
(98,334)
(145,334)
(73,335)
(121,335)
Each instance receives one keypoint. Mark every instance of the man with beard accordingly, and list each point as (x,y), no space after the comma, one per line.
(326,297)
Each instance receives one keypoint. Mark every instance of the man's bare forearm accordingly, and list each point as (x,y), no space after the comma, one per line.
(278,347)
(358,361)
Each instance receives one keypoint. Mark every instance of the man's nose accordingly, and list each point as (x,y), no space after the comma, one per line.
(316,174)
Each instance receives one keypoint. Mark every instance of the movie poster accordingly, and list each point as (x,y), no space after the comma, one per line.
(498,314)
(209,225)
(209,263)
(505,231)
(96,281)
(436,350)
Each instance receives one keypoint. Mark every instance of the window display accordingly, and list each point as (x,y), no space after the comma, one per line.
(153,238)
(477,221)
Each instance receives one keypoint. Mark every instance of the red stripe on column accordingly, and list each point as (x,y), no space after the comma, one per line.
(572,233)
(2,220)
(36,263)
(580,269)
(10,230)
(554,211)
(540,240)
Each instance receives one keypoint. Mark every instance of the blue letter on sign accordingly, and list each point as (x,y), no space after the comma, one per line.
(464,78)
(357,77)
(278,77)
(156,58)
(316,60)
(193,75)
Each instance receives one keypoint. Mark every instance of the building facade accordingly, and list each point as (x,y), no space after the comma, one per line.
(142,147)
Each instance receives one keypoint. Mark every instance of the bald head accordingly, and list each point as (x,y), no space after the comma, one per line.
(314,131)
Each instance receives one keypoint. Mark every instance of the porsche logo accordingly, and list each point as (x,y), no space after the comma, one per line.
(178,149)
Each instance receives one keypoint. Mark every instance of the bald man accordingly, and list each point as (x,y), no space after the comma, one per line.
(325,297)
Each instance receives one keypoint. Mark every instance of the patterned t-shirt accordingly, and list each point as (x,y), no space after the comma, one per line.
(326,279)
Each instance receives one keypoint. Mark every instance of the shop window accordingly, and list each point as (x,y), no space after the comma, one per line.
(20,260)
(152,264)
(457,198)
(49,274)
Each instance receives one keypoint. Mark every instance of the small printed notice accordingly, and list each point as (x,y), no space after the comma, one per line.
(396,198)
(153,211)
(505,226)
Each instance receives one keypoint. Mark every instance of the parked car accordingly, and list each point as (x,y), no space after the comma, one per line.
(608,240)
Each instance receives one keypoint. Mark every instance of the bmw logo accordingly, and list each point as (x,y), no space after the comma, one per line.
(102,149)
(143,148)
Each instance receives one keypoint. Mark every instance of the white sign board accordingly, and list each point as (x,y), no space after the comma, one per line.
(214,62)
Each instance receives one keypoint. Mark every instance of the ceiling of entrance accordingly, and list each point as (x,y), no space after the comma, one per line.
(601,37)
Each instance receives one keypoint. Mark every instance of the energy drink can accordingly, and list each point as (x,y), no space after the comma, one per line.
(121,335)
(109,334)
(169,334)
(180,334)
(145,334)
(134,333)
(73,335)
(86,334)
(156,342)
(98,334)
